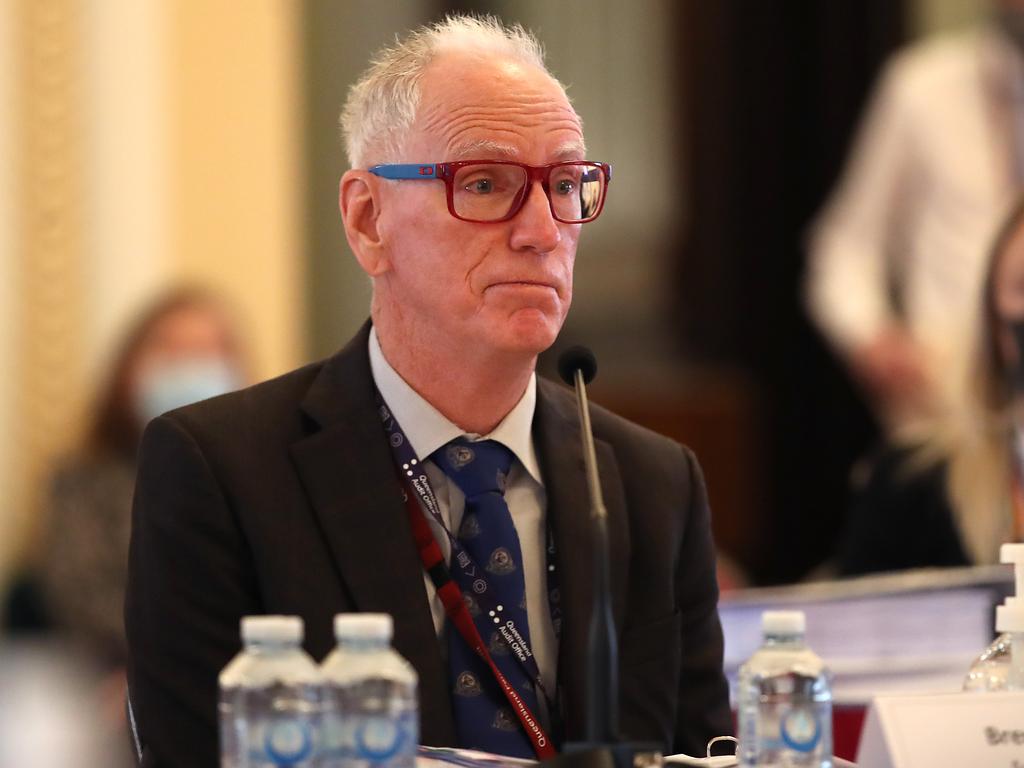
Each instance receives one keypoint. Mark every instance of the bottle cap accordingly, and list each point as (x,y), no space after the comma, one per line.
(272,629)
(363,626)
(783,622)
(1010,615)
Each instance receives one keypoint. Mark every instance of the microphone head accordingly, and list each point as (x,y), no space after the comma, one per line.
(577,358)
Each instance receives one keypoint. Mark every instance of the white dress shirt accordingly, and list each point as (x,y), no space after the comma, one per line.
(427,430)
(932,173)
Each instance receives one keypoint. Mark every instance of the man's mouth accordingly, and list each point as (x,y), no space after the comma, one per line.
(523,283)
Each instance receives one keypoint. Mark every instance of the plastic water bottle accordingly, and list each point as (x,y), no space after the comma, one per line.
(1001,666)
(991,670)
(271,698)
(372,691)
(785,699)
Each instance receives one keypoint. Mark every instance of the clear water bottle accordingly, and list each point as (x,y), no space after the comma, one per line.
(1001,666)
(372,691)
(785,699)
(271,698)
(991,670)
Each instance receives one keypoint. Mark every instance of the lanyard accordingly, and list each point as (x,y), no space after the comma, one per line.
(411,469)
(456,609)
(417,485)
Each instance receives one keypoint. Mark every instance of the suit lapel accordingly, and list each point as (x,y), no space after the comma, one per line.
(557,436)
(348,473)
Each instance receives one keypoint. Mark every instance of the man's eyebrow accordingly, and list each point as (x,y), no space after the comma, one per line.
(488,149)
(484,149)
(572,151)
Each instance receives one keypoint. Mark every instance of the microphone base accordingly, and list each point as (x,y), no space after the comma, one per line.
(581,754)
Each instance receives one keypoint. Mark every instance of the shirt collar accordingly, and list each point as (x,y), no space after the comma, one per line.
(427,429)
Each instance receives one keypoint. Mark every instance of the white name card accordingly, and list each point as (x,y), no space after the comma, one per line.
(960,730)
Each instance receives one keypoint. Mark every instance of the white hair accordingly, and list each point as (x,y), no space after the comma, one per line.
(382,105)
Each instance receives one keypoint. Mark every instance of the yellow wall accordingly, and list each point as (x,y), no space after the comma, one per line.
(146,143)
(235,104)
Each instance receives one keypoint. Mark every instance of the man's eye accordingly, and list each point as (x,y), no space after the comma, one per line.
(480,186)
(565,187)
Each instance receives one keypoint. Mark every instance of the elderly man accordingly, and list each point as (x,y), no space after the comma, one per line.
(468,191)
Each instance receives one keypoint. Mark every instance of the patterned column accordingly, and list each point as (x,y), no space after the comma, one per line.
(48,262)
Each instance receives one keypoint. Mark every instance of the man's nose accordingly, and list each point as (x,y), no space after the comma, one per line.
(534,227)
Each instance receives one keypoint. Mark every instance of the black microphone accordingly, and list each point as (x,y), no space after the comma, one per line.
(602,746)
(577,366)
(577,359)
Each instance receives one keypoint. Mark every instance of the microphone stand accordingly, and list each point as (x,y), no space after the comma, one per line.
(602,722)
(602,746)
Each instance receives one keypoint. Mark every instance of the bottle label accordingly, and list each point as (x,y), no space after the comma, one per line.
(770,732)
(800,729)
(379,739)
(283,742)
(371,739)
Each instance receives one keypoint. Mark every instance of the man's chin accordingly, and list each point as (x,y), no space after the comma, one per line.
(530,332)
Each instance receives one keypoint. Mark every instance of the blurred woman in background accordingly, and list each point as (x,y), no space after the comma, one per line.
(183,348)
(954,490)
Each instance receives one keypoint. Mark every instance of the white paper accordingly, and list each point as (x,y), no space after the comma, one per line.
(979,730)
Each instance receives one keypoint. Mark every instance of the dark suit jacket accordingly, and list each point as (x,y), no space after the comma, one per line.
(283,498)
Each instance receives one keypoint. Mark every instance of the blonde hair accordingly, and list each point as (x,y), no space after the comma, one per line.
(382,105)
(976,435)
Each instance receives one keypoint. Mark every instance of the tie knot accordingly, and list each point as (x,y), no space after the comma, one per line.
(477,468)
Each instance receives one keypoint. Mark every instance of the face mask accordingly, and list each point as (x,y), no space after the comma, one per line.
(181,382)
(1011,22)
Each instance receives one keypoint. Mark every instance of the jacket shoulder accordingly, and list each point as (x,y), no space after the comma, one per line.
(253,413)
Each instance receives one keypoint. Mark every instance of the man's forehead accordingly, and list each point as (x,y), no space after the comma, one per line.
(496,108)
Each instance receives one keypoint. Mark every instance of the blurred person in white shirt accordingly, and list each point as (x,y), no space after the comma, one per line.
(898,253)
(955,493)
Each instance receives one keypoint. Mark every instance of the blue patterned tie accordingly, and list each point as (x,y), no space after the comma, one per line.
(483,717)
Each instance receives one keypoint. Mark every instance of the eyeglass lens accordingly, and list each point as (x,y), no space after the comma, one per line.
(488,192)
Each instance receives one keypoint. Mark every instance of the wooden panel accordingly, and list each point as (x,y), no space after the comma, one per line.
(714,413)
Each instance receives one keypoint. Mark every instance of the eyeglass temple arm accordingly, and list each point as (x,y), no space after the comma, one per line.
(407,171)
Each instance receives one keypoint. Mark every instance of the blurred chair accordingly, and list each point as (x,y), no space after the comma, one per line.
(47,719)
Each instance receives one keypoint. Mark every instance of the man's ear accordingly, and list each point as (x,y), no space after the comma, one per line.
(360,207)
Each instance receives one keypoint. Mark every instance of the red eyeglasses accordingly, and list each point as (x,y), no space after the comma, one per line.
(495,190)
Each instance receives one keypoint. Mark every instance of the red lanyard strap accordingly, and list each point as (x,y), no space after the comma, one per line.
(456,610)
(411,471)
